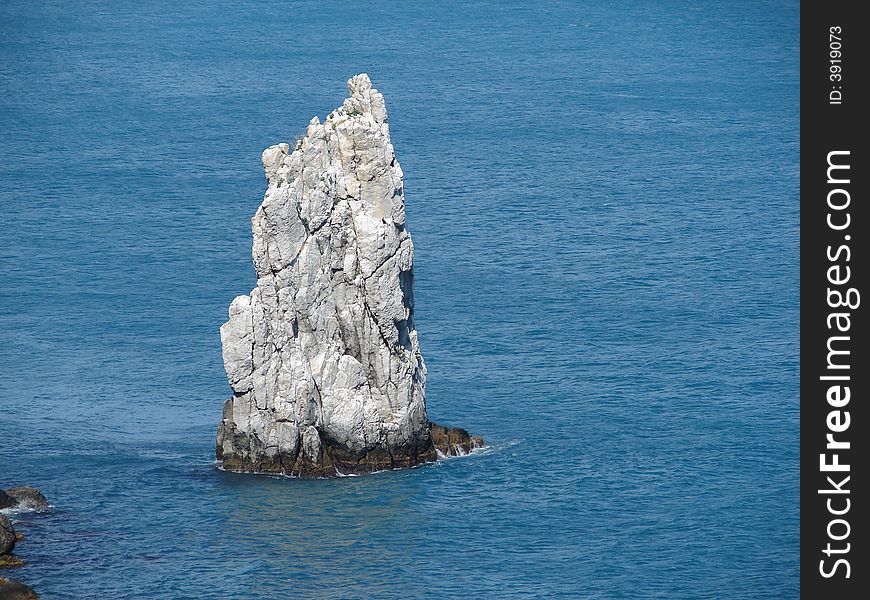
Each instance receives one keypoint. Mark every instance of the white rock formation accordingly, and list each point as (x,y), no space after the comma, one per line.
(322,356)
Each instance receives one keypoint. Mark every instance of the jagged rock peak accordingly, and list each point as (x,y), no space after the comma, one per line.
(322,355)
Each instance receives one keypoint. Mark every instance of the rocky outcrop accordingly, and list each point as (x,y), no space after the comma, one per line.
(24,497)
(17,498)
(8,539)
(323,356)
(453,441)
(15,590)
(7,536)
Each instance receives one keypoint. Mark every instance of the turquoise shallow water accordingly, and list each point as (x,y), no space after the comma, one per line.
(604,203)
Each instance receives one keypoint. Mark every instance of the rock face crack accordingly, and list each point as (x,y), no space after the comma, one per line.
(322,355)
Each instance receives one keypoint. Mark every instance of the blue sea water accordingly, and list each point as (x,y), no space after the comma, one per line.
(604,202)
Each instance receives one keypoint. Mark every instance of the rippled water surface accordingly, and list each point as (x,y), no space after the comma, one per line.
(604,202)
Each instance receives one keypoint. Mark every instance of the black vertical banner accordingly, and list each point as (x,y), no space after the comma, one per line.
(835,369)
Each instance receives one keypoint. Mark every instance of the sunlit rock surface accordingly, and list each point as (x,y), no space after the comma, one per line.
(322,356)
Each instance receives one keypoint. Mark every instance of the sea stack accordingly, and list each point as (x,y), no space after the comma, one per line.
(322,356)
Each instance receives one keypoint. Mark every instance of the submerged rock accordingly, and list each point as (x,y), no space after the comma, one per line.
(323,356)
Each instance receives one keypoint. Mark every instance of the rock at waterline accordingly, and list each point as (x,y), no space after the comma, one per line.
(15,590)
(23,497)
(453,441)
(10,561)
(7,536)
(323,355)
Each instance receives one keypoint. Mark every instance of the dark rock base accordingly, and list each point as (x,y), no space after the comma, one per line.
(250,455)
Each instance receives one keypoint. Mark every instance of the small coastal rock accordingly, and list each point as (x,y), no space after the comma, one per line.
(15,590)
(453,441)
(323,356)
(19,497)
(23,497)
(7,536)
